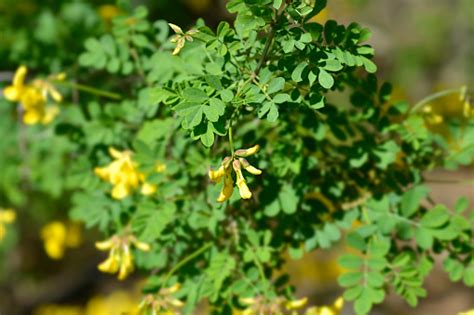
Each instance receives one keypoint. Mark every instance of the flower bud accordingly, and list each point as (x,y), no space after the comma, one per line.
(247,152)
(104,245)
(296,304)
(144,247)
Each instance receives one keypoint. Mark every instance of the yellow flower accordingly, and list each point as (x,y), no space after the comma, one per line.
(260,305)
(123,174)
(296,304)
(334,309)
(162,302)
(180,38)
(15,91)
(57,236)
(470,312)
(34,97)
(7,216)
(120,258)
(468,109)
(225,171)
(108,12)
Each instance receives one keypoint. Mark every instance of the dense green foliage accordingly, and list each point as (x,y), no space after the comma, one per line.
(341,161)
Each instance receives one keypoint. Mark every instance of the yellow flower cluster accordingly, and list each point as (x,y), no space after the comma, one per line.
(162,303)
(117,302)
(260,305)
(181,37)
(57,236)
(7,216)
(34,97)
(123,174)
(237,161)
(334,309)
(120,256)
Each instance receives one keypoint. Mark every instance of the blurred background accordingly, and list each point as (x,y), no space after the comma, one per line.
(422,46)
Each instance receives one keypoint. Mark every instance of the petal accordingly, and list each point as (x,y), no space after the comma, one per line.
(179,45)
(54,249)
(160,167)
(104,245)
(20,75)
(110,265)
(216,176)
(116,154)
(11,93)
(102,172)
(148,189)
(249,168)
(296,304)
(120,191)
(57,97)
(176,28)
(7,216)
(247,152)
(227,188)
(339,303)
(50,113)
(145,247)
(32,117)
(241,183)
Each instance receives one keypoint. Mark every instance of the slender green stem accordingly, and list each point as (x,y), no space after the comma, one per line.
(434,96)
(186,260)
(260,269)
(231,140)
(266,50)
(89,89)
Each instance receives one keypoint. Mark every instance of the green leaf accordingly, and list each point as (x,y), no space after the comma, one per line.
(364,303)
(332,65)
(435,217)
(150,220)
(350,261)
(277,4)
(272,209)
(295,252)
(461,205)
(281,98)
(192,113)
(207,138)
(423,237)
(350,279)
(214,82)
(276,85)
(352,293)
(411,200)
(369,66)
(288,199)
(227,95)
(325,79)
(220,268)
(195,95)
(214,110)
(296,74)
(273,113)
